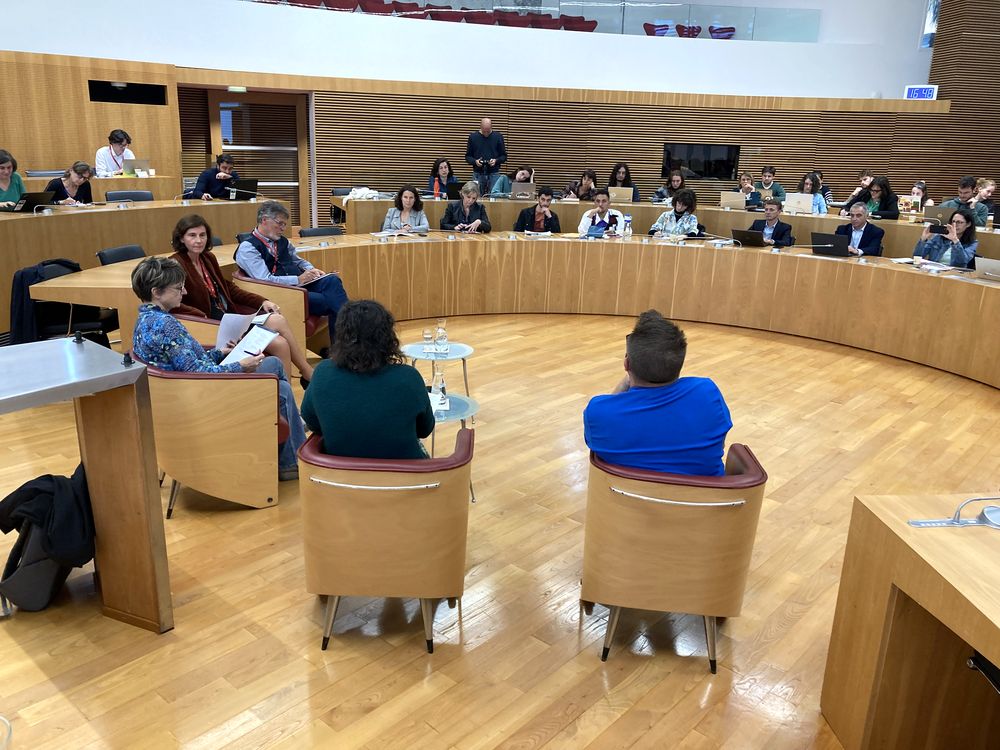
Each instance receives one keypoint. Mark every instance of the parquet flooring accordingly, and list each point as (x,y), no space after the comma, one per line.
(518,666)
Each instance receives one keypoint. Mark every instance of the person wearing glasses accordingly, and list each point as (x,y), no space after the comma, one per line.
(810,184)
(110,159)
(268,255)
(73,187)
(956,248)
(882,203)
(162,341)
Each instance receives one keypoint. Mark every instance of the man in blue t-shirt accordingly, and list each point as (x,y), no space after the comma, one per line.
(655,419)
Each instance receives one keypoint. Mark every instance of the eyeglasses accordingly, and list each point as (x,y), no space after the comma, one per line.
(280,224)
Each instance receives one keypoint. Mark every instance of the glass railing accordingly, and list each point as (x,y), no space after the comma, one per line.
(640,17)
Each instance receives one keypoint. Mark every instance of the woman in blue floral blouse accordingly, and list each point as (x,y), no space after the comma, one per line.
(163,342)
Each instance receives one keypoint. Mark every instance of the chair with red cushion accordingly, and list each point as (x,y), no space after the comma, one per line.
(386,528)
(657,29)
(512,18)
(409,10)
(376,7)
(294,304)
(345,5)
(444,13)
(483,17)
(577,23)
(670,542)
(543,21)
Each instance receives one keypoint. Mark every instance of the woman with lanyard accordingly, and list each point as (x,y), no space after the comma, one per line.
(209,294)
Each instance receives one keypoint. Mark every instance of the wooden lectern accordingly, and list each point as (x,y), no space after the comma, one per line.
(115,428)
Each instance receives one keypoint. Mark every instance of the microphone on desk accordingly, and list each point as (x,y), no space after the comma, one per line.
(45,207)
(185,194)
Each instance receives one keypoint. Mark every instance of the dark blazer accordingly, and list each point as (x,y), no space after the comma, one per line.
(455,215)
(197,301)
(208,184)
(782,235)
(526,221)
(871,238)
(888,205)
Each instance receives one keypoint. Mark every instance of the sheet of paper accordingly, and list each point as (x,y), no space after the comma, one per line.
(232,327)
(253,343)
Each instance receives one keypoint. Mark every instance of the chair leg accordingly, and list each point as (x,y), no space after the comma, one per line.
(332,602)
(452,602)
(588,607)
(711,630)
(609,635)
(175,488)
(427,612)
(163,475)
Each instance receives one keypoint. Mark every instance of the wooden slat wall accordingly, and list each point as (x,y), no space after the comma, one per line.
(49,121)
(402,135)
(196,142)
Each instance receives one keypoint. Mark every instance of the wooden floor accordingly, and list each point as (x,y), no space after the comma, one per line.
(519,666)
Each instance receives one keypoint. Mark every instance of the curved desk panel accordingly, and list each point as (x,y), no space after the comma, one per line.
(944,321)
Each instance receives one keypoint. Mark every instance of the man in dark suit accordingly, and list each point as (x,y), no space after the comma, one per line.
(539,218)
(776,232)
(866,239)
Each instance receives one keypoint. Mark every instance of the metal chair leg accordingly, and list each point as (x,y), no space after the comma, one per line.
(175,488)
(609,634)
(163,475)
(332,602)
(711,630)
(472,491)
(465,375)
(427,612)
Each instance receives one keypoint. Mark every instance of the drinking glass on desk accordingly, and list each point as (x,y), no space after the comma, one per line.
(428,335)
(441,341)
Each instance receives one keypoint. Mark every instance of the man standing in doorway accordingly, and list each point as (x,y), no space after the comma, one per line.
(486,152)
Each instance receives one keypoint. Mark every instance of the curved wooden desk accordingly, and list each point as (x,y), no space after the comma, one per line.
(942,321)
(900,236)
(78,233)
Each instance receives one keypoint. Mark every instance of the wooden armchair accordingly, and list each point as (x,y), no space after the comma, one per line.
(218,434)
(310,331)
(392,528)
(669,542)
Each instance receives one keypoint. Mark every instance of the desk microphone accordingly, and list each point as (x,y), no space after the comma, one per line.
(185,194)
(45,207)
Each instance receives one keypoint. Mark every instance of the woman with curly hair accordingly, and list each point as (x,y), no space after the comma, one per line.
(365,401)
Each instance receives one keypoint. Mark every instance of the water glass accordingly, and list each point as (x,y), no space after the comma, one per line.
(441,341)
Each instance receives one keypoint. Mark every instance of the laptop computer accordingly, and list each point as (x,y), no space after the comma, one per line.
(620,194)
(799,202)
(937,214)
(834,245)
(129,166)
(245,189)
(988,269)
(730,199)
(29,201)
(522,191)
(454,191)
(749,237)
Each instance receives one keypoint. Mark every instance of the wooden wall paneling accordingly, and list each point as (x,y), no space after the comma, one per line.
(196,139)
(39,90)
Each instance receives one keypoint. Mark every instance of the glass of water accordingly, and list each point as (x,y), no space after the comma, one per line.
(428,336)
(441,339)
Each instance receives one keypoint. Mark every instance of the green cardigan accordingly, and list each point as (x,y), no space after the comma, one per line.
(16,190)
(369,415)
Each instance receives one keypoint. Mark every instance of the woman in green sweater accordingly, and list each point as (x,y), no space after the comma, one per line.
(11,184)
(365,401)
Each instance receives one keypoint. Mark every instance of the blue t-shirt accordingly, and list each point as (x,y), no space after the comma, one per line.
(678,428)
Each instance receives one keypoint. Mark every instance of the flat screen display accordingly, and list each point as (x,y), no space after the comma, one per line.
(701,160)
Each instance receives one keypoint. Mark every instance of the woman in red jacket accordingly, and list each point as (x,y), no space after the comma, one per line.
(209,294)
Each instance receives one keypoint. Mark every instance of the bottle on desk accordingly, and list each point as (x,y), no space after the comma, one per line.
(989,223)
(439,391)
(627,231)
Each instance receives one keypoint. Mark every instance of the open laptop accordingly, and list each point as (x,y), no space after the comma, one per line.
(749,238)
(454,191)
(522,191)
(837,244)
(130,166)
(730,199)
(29,201)
(620,194)
(799,202)
(245,190)
(988,269)
(937,214)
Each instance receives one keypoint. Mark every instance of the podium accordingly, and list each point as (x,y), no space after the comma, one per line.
(115,429)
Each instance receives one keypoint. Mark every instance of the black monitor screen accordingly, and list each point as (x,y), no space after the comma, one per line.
(701,160)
